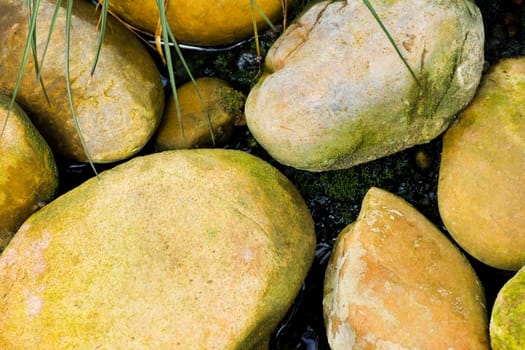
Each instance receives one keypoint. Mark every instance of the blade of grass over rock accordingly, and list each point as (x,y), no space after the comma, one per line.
(102,30)
(197,90)
(27,47)
(254,5)
(168,61)
(69,12)
(48,39)
(385,30)
(167,35)
(256,35)
(284,8)
(34,12)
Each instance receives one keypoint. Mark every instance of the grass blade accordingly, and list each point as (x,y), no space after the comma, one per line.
(167,59)
(34,11)
(167,35)
(385,30)
(254,5)
(103,22)
(256,38)
(48,39)
(25,55)
(69,12)
(201,99)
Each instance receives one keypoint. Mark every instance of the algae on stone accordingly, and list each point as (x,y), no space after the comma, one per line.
(507,322)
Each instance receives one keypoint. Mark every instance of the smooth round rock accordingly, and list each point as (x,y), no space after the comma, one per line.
(335,92)
(212,109)
(118,108)
(202,22)
(28,173)
(481,188)
(394,281)
(187,249)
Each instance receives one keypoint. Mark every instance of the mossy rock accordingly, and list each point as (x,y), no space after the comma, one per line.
(481,188)
(335,93)
(211,108)
(118,107)
(394,281)
(186,249)
(507,322)
(202,22)
(28,173)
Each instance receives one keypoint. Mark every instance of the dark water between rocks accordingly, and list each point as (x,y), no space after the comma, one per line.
(334,198)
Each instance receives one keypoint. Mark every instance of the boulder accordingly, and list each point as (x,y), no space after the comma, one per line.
(394,281)
(481,188)
(28,173)
(202,22)
(335,92)
(507,322)
(186,249)
(118,108)
(214,106)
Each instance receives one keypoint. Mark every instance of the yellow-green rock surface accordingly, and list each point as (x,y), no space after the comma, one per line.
(187,249)
(507,322)
(394,281)
(28,173)
(481,189)
(335,93)
(201,22)
(118,108)
(214,106)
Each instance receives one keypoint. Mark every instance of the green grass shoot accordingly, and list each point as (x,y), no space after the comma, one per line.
(389,37)
(69,13)
(102,31)
(28,46)
(167,35)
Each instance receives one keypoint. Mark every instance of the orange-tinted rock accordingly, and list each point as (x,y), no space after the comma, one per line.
(395,281)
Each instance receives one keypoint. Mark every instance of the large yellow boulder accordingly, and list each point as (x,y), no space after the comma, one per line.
(118,108)
(481,188)
(28,173)
(394,281)
(187,249)
(202,22)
